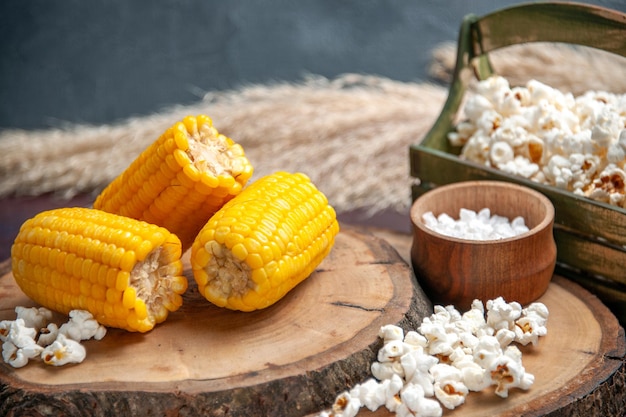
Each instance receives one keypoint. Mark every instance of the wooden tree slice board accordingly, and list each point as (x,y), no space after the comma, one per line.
(579,366)
(295,357)
(288,360)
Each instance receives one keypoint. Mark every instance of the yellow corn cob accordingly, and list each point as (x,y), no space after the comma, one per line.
(125,272)
(179,181)
(263,242)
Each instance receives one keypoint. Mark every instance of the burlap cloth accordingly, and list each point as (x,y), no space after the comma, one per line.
(351,134)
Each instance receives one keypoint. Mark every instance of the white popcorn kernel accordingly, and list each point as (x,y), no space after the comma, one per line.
(521,166)
(616,153)
(63,351)
(476,105)
(47,334)
(467,341)
(464,130)
(34,317)
(371,394)
(391,332)
(19,334)
(473,375)
(448,386)
(502,315)
(528,330)
(82,326)
(414,340)
(392,392)
(477,148)
(416,402)
(475,316)
(5,328)
(606,128)
(537,310)
(442,372)
(416,365)
(13,355)
(507,372)
(440,342)
(451,394)
(386,370)
(500,154)
(391,351)
(487,350)
(345,405)
(505,337)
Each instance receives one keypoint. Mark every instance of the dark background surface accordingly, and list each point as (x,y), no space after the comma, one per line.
(101,61)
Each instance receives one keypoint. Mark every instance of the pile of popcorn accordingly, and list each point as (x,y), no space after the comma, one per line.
(32,335)
(471,225)
(535,131)
(451,354)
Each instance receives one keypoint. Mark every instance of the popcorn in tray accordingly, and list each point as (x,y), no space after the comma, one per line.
(538,132)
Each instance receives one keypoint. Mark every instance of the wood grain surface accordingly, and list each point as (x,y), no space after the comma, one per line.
(290,359)
(293,358)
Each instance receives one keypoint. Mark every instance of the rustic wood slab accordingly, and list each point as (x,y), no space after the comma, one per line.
(288,360)
(579,366)
(292,359)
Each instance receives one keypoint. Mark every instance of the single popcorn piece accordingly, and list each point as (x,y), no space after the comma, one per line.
(487,350)
(82,326)
(391,332)
(34,317)
(415,402)
(47,334)
(416,365)
(386,370)
(508,372)
(450,393)
(19,334)
(502,315)
(63,351)
(391,351)
(472,374)
(414,340)
(392,391)
(448,386)
(532,324)
(371,394)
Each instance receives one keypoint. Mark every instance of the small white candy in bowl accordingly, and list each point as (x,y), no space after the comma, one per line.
(483,240)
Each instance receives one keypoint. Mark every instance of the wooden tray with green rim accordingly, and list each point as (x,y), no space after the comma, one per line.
(590,235)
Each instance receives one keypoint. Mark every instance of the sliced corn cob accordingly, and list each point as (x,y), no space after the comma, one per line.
(263,242)
(179,181)
(125,272)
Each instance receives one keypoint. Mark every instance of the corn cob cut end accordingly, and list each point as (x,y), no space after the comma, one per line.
(157,284)
(213,153)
